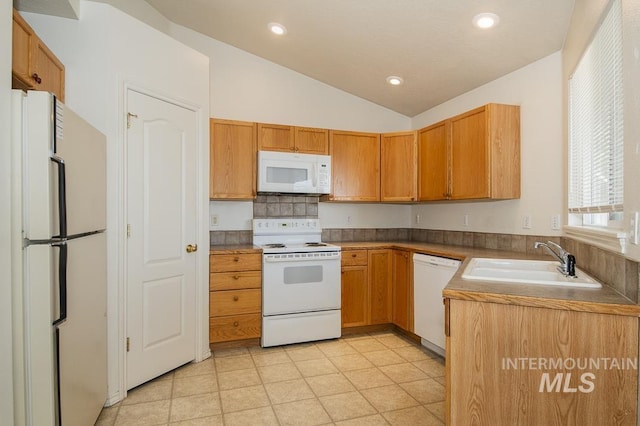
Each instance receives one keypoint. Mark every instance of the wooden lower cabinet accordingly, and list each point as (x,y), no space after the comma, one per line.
(355,296)
(355,288)
(235,297)
(380,289)
(499,369)
(401,277)
(366,287)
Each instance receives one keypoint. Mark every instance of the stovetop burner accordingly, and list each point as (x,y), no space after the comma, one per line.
(315,244)
(275,245)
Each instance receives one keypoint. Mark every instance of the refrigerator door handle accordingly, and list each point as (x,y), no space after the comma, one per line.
(62,281)
(62,195)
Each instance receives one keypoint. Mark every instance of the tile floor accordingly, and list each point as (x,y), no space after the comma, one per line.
(368,379)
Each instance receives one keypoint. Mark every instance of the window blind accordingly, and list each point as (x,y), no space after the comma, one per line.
(596,141)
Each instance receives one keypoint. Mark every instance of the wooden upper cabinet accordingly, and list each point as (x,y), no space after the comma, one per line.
(275,137)
(304,140)
(355,166)
(233,153)
(433,182)
(485,153)
(21,50)
(34,66)
(475,155)
(311,140)
(398,166)
(48,69)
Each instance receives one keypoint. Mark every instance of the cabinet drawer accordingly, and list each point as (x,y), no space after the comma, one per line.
(235,262)
(235,280)
(354,258)
(235,327)
(234,302)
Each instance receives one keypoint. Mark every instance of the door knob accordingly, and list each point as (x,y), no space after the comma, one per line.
(191,248)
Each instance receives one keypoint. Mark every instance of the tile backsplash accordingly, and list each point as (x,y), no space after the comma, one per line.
(276,206)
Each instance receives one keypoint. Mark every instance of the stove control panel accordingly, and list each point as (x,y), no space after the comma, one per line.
(285,226)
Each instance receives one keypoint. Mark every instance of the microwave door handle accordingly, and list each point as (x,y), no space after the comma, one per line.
(314,175)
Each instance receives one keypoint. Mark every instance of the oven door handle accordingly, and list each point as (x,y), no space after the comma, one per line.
(301,257)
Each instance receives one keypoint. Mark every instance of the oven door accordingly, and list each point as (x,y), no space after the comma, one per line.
(300,282)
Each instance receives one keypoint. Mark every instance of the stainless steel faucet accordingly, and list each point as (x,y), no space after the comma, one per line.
(566,259)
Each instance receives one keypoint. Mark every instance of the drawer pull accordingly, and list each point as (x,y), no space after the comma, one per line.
(235,298)
(236,259)
(354,255)
(236,277)
(236,323)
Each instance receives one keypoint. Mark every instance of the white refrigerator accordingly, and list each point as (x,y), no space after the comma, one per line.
(59,204)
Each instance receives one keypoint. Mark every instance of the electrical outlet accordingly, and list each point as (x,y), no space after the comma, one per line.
(526,222)
(465,220)
(215,220)
(555,222)
(348,219)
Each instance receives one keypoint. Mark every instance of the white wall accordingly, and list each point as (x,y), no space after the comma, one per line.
(6,359)
(537,88)
(102,52)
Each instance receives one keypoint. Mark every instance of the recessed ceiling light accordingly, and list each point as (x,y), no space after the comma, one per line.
(276,28)
(394,80)
(486,20)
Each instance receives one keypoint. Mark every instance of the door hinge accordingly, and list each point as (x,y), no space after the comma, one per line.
(129,115)
(127,344)
(128,230)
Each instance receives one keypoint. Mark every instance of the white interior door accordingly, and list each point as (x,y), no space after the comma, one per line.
(161,217)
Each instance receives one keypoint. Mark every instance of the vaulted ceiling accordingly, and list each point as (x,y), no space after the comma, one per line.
(354,45)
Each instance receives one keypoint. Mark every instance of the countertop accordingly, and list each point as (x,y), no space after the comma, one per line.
(234,249)
(604,300)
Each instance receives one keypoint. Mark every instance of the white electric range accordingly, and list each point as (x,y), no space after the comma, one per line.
(301,288)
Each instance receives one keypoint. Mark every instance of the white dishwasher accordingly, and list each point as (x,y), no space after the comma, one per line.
(430,276)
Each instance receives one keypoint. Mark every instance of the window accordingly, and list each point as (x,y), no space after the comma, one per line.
(596,143)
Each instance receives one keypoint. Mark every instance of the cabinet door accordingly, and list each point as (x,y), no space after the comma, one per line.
(233,160)
(47,70)
(355,296)
(275,137)
(398,178)
(380,290)
(433,163)
(497,335)
(402,294)
(21,52)
(469,155)
(355,166)
(312,141)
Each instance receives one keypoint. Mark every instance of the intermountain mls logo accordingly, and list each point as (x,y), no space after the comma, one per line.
(569,374)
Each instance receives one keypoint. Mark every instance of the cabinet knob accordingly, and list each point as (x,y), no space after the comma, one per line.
(235,298)
(236,277)
(354,255)
(236,259)
(236,323)
(36,78)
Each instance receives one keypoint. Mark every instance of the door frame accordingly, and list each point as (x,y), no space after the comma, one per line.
(116,340)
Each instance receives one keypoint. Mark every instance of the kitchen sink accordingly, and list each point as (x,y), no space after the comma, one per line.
(516,271)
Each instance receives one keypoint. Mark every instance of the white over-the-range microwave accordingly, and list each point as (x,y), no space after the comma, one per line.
(292,173)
